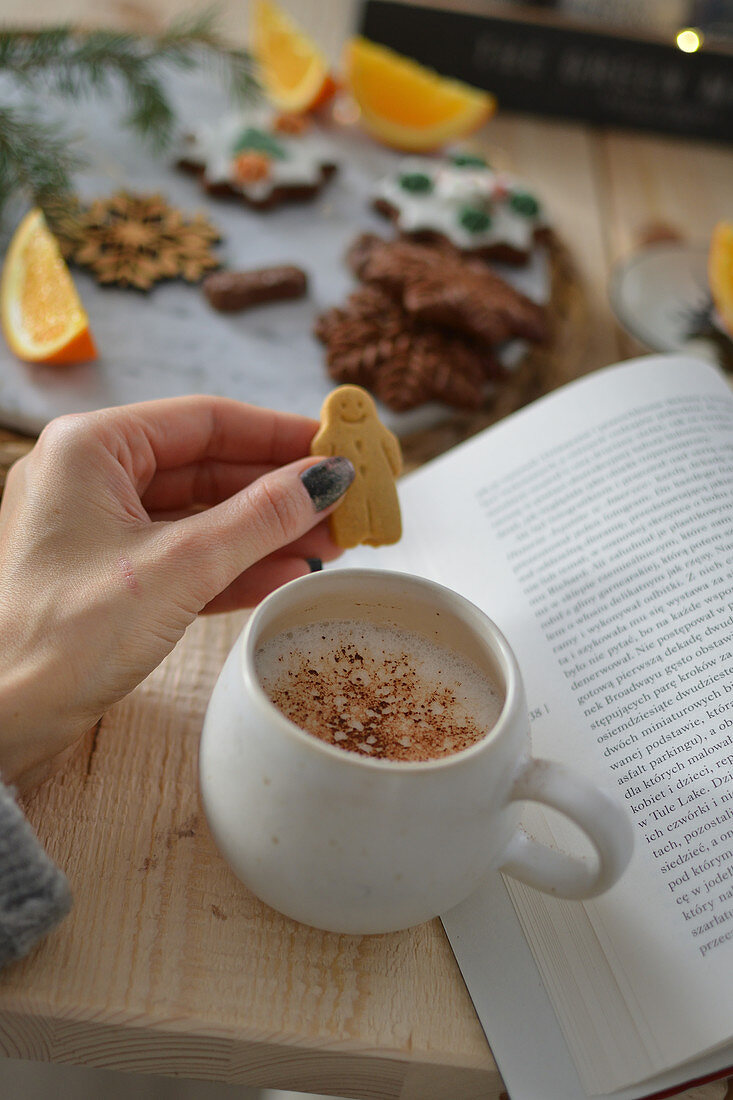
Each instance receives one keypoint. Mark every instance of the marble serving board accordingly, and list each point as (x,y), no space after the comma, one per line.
(170,341)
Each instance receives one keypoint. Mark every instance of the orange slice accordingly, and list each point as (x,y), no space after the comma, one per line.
(294,72)
(42,315)
(720,272)
(407,106)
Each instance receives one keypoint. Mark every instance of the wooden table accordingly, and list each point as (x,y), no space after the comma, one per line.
(167,964)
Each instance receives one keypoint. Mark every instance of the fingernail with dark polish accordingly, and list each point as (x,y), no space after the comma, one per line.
(328,480)
(314,564)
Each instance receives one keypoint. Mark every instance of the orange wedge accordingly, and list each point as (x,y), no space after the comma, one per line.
(407,106)
(294,72)
(720,272)
(42,315)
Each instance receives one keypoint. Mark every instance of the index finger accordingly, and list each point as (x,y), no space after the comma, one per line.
(183,430)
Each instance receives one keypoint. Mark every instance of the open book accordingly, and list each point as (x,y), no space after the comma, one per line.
(596,528)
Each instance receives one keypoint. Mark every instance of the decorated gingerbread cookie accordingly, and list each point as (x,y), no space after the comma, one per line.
(461,200)
(370,511)
(259,156)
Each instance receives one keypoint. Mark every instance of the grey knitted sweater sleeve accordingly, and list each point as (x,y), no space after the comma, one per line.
(34,893)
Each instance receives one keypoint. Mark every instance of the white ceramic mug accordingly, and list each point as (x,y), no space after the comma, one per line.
(353,844)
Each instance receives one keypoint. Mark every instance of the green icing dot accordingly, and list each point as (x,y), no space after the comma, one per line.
(417,182)
(469,160)
(524,203)
(259,141)
(474,220)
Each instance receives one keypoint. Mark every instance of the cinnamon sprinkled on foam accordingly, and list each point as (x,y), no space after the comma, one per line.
(378,691)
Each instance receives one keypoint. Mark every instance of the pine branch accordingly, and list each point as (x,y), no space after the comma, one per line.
(199,28)
(35,158)
(72,64)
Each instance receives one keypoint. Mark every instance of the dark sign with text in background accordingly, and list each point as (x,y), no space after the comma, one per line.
(547,69)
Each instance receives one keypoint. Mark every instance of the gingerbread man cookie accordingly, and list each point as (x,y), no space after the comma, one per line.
(370,510)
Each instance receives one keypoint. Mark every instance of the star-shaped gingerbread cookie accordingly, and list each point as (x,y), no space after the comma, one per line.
(260,157)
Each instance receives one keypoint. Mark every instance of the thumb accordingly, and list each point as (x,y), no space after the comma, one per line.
(203,553)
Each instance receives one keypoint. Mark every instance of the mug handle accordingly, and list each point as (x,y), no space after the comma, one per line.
(598,816)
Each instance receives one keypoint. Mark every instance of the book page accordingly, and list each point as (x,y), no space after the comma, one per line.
(596,529)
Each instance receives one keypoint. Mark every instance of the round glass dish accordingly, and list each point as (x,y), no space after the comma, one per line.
(660,294)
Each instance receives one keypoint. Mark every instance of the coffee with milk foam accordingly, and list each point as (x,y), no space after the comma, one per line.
(380,691)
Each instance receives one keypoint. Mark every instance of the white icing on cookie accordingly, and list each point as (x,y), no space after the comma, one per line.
(454,188)
(214,145)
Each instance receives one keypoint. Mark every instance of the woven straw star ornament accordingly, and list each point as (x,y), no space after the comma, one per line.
(137,240)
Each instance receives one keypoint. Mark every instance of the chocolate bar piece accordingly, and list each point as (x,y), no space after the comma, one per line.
(231,291)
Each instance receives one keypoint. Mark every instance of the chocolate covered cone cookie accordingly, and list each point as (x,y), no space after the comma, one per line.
(440,287)
(373,342)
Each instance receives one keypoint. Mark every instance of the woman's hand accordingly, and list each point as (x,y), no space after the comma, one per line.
(121,526)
